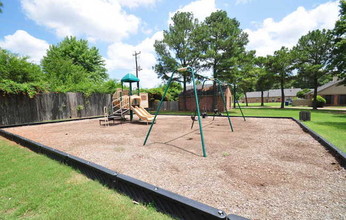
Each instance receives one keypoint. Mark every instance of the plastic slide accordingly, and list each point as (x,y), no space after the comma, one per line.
(142,114)
(145,112)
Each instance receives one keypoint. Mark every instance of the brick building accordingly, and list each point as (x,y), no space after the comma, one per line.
(273,95)
(333,92)
(205,98)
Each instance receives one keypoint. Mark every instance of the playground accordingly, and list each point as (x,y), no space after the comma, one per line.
(265,169)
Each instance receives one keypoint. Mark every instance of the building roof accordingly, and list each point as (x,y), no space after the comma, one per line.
(256,94)
(199,86)
(273,93)
(327,85)
(129,78)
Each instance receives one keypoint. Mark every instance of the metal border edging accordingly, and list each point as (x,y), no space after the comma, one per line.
(337,153)
(165,201)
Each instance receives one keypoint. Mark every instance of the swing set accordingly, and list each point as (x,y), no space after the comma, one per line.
(197,112)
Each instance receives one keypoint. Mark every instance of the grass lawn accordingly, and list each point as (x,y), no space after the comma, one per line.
(33,186)
(329,124)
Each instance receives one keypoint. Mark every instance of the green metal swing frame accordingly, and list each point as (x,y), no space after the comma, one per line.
(193,74)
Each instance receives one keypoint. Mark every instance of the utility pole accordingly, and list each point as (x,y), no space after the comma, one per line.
(138,68)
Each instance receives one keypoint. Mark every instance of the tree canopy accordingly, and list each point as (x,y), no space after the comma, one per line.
(72,65)
(176,49)
(339,39)
(72,61)
(280,64)
(312,56)
(18,75)
(221,43)
(18,69)
(265,78)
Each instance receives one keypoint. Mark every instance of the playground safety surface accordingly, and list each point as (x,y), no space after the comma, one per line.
(265,169)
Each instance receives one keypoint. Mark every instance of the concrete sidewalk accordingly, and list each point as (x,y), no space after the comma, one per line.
(299,107)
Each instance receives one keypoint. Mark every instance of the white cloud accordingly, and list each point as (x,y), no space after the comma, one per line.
(200,9)
(271,35)
(24,44)
(95,19)
(120,56)
(242,2)
(137,3)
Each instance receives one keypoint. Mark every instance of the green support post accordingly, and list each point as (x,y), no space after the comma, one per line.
(241,111)
(224,103)
(130,94)
(198,111)
(122,91)
(193,122)
(158,108)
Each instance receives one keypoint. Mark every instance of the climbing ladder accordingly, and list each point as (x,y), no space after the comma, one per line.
(120,107)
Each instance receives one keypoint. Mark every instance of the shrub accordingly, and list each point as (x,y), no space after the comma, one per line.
(320,101)
(301,94)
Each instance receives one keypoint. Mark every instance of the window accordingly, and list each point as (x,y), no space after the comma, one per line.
(342,100)
(329,99)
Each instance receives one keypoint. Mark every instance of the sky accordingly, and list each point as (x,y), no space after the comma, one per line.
(118,28)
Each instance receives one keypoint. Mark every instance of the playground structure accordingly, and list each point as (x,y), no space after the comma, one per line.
(197,112)
(256,170)
(125,103)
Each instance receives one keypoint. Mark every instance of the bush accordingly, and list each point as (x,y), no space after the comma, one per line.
(320,101)
(301,94)
(30,89)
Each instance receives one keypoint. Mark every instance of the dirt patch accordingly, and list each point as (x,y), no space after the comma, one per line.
(265,169)
(77,179)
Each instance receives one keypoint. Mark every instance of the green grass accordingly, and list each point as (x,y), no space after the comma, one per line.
(33,186)
(329,124)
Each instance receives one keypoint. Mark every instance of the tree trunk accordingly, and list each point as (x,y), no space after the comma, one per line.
(314,102)
(214,90)
(234,95)
(185,105)
(246,100)
(214,95)
(262,98)
(282,93)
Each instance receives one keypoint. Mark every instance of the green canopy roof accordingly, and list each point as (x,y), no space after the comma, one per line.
(129,78)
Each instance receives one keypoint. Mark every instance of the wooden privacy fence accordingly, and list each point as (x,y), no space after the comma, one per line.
(166,106)
(18,109)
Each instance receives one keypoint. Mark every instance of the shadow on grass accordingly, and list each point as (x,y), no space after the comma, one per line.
(335,125)
(343,116)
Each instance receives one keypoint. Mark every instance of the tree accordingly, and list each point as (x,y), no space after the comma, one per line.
(1,7)
(172,93)
(281,66)
(312,56)
(243,75)
(221,43)
(265,79)
(176,49)
(339,39)
(17,75)
(301,94)
(18,69)
(72,62)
